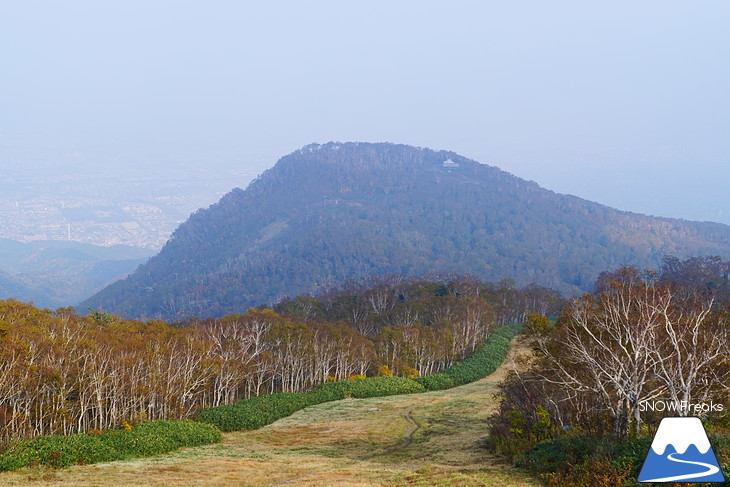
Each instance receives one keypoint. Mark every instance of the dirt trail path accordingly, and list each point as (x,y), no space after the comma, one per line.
(408,435)
(431,439)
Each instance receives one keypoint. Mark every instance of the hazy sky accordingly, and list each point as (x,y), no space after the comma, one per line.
(623,102)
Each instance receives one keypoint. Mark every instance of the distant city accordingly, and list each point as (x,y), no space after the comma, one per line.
(106,204)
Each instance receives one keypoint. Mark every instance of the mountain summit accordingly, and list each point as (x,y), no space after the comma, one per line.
(328,213)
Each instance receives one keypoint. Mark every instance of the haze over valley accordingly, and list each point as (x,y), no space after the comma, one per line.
(68,193)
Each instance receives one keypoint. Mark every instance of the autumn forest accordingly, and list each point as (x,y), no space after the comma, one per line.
(62,373)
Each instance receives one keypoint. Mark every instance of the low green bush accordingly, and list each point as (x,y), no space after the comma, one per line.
(436,382)
(330,391)
(383,386)
(550,456)
(721,445)
(147,439)
(258,411)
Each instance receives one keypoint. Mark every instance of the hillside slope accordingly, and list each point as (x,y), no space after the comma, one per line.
(13,287)
(328,213)
(62,273)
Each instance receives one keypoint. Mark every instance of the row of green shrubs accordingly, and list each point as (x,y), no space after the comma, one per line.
(477,365)
(259,411)
(156,437)
(578,461)
(148,439)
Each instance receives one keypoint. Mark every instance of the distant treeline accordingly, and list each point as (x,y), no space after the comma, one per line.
(62,373)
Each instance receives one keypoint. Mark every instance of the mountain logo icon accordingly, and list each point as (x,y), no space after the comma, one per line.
(681,452)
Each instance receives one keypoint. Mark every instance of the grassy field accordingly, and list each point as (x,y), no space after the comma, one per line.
(430,439)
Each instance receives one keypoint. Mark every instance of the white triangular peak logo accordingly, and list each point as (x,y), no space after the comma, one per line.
(681,452)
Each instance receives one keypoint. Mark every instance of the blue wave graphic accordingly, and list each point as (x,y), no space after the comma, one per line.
(690,466)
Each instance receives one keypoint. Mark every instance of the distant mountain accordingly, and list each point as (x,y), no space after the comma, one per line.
(328,213)
(12,287)
(62,273)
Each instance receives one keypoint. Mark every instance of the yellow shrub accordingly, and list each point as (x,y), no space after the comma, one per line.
(384,371)
(409,372)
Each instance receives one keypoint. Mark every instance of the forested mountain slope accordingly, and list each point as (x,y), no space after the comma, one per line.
(328,213)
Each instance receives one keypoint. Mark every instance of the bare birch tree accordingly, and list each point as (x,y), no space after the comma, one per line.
(605,345)
(691,357)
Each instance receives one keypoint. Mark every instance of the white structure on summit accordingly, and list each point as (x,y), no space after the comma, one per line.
(449,164)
